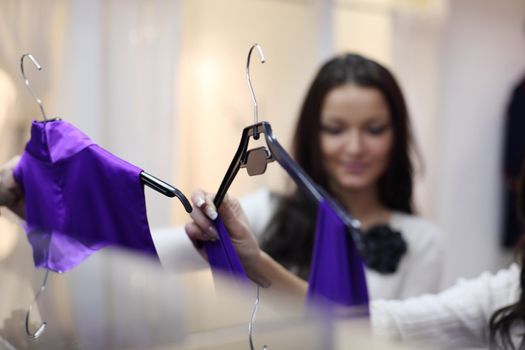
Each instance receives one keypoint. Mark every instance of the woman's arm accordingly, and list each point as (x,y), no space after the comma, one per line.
(11,195)
(456,318)
(259,266)
(269,273)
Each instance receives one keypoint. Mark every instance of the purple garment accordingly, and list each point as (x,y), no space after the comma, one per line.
(79,198)
(223,258)
(337,272)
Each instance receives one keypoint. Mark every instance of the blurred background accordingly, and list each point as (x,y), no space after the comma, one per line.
(161,83)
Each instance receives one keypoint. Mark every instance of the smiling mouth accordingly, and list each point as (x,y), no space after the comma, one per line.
(354,168)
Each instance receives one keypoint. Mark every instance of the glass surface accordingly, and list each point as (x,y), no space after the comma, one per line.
(116,300)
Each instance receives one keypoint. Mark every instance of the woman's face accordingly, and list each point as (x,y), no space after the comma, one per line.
(356,137)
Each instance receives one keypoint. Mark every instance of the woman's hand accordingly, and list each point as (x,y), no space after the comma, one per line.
(202,227)
(259,266)
(11,195)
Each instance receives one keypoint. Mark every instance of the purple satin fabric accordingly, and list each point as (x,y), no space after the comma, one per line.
(223,258)
(337,272)
(79,198)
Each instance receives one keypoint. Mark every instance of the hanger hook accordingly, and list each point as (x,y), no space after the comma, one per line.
(254,100)
(252,319)
(26,81)
(42,326)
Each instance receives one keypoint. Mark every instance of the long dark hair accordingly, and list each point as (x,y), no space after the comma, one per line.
(503,320)
(289,237)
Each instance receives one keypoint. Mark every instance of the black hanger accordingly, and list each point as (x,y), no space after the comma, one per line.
(255,161)
(147,179)
(165,188)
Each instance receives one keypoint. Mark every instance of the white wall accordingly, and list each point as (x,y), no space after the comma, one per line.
(118,84)
(482,56)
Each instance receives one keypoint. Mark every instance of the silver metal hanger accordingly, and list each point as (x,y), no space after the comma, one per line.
(40,329)
(250,87)
(261,57)
(256,120)
(26,81)
(252,319)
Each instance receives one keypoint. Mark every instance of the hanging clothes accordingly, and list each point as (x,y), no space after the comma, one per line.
(337,273)
(222,257)
(79,198)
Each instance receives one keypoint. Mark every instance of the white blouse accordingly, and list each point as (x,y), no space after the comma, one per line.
(419,271)
(456,318)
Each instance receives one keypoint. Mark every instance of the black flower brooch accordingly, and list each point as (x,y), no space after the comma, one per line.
(383,249)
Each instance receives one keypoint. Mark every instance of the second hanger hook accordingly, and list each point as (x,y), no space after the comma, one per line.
(40,329)
(252,319)
(26,81)
(254,100)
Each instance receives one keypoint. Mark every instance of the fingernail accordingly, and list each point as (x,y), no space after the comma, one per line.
(199,201)
(212,232)
(212,213)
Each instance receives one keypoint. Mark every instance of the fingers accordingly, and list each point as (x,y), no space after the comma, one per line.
(202,227)
(196,236)
(204,212)
(229,206)
(194,232)
(204,201)
(234,218)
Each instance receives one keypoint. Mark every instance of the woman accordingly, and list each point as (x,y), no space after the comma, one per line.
(353,139)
